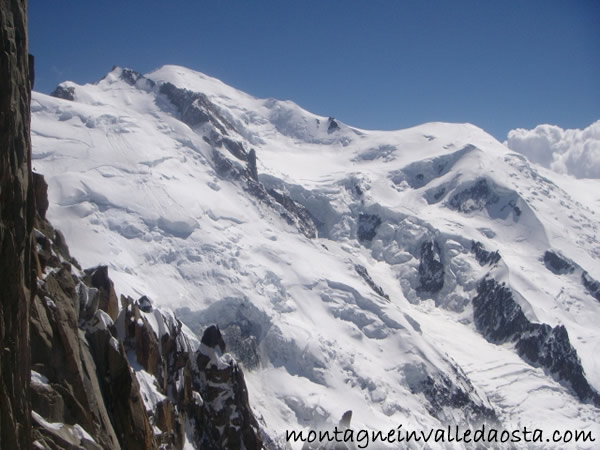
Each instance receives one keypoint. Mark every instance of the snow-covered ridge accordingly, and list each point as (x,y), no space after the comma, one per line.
(254,214)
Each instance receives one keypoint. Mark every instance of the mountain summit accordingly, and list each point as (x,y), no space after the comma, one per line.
(424,277)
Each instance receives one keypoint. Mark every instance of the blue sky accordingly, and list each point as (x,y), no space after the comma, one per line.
(372,64)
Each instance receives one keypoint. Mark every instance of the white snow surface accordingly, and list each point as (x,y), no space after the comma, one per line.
(39,380)
(149,389)
(133,187)
(76,433)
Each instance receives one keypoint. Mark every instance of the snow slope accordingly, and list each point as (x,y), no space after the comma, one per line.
(152,175)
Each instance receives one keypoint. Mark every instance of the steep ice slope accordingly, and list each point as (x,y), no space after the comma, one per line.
(206,200)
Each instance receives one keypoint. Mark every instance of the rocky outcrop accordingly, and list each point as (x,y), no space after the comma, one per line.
(60,353)
(163,354)
(134,78)
(120,385)
(252,164)
(443,396)
(40,190)
(364,274)
(485,194)
(195,108)
(107,297)
(212,338)
(431,268)
(17,268)
(592,286)
(500,319)
(229,422)
(64,92)
(332,125)
(50,436)
(236,149)
(367,226)
(483,256)
(557,263)
(561,265)
(188,384)
(474,198)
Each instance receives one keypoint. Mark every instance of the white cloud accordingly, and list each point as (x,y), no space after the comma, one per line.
(574,152)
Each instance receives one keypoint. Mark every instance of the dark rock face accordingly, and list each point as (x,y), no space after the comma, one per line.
(236,149)
(500,319)
(62,356)
(229,422)
(252,164)
(367,227)
(164,357)
(212,338)
(442,393)
(435,195)
(40,190)
(107,297)
(130,76)
(497,315)
(483,256)
(17,270)
(550,348)
(199,387)
(475,198)
(362,271)
(133,78)
(122,391)
(50,247)
(484,194)
(557,263)
(593,286)
(145,304)
(431,268)
(64,92)
(225,167)
(332,125)
(195,108)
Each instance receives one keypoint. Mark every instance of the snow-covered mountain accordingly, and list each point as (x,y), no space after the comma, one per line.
(424,277)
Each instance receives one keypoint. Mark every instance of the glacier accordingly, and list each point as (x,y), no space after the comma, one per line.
(403,275)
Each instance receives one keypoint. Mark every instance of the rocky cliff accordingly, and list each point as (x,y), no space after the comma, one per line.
(17,284)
